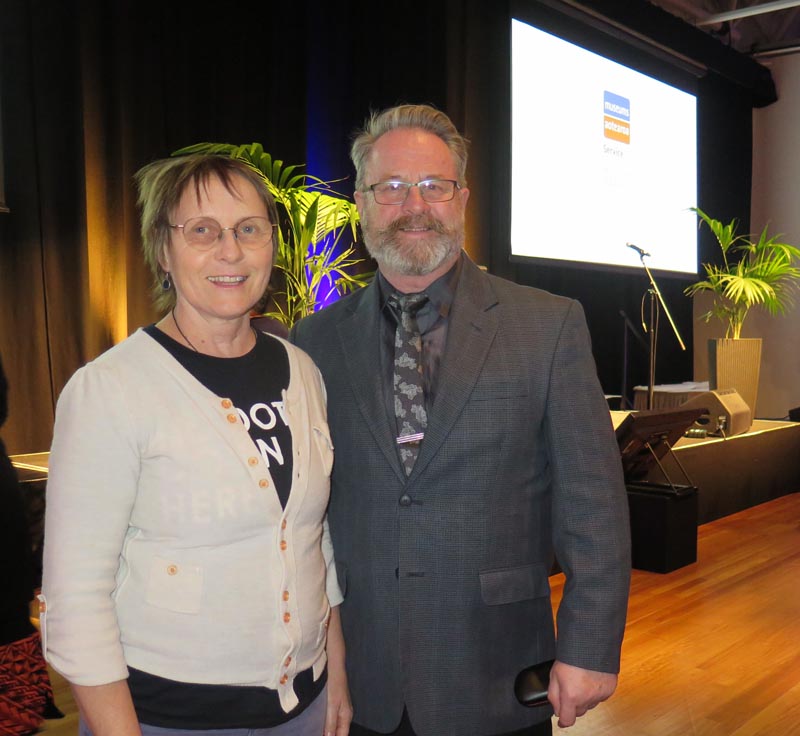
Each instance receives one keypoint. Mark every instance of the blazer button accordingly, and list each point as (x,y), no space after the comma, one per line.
(405,500)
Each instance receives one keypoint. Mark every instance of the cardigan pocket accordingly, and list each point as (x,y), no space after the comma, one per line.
(174,587)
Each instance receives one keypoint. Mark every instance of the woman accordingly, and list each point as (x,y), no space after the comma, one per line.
(188,571)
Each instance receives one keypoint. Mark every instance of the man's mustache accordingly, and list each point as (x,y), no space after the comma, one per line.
(409,221)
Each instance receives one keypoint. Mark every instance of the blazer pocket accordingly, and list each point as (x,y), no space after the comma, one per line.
(174,586)
(494,390)
(341,577)
(512,584)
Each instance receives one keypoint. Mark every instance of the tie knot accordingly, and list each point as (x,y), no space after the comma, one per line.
(408,303)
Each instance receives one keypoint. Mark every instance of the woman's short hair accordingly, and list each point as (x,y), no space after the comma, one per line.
(161,185)
(425,117)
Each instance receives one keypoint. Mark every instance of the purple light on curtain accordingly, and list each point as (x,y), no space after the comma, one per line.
(326,293)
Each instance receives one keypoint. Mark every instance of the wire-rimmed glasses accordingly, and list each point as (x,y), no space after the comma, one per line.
(431,190)
(203,233)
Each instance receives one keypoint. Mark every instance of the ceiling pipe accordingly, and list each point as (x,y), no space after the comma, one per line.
(770,7)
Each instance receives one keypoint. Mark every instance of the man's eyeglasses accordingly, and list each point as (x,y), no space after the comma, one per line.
(203,233)
(431,190)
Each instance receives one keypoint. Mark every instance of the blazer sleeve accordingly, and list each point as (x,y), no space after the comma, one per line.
(591,527)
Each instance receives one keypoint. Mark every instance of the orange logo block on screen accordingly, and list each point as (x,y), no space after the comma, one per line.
(617,130)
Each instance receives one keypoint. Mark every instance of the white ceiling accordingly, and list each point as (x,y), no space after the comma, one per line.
(771,30)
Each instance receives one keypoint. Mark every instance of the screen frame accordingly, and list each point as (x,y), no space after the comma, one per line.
(600,36)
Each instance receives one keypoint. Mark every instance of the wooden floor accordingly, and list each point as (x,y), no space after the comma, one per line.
(712,649)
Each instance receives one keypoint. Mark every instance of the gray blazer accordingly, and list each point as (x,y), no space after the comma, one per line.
(445,573)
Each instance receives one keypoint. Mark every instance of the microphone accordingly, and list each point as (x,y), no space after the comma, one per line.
(641,252)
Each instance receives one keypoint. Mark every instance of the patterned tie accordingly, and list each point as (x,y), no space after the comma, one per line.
(409,397)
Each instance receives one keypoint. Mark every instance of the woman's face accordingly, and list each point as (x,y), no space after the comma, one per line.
(227,280)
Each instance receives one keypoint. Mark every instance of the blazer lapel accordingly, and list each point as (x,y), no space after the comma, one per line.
(360,336)
(473,327)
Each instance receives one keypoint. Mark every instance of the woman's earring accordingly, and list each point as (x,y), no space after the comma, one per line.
(166,284)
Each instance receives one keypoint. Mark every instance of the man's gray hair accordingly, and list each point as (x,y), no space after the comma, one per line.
(424,117)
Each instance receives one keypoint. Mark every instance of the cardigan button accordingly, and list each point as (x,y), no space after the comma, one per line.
(287,662)
(284,679)
(232,418)
(285,595)
(287,617)
(284,545)
(263,483)
(226,403)
(252,461)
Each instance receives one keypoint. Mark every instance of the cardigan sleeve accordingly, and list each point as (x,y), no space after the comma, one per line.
(332,588)
(335,596)
(91,488)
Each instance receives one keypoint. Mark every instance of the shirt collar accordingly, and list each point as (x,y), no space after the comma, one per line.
(441,294)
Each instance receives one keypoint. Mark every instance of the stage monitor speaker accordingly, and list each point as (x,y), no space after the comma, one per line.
(727,413)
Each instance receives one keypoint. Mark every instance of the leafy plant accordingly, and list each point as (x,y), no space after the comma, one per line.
(760,273)
(314,219)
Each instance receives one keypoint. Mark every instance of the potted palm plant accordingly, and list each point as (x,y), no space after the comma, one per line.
(752,273)
(315,256)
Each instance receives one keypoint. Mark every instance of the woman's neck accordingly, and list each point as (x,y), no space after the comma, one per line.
(221,338)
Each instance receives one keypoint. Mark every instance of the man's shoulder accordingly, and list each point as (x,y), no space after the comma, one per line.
(513,293)
(325,318)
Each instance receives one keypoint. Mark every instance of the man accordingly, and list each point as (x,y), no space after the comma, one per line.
(445,512)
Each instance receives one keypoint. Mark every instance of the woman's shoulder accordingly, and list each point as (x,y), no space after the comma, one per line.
(121,363)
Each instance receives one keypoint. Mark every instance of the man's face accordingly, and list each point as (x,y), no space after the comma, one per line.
(414,238)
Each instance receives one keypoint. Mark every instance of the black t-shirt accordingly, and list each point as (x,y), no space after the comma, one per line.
(254,383)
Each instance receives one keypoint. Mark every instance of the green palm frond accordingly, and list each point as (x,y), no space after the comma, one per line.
(314,219)
(757,273)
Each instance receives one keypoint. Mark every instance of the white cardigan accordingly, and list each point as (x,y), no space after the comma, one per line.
(166,547)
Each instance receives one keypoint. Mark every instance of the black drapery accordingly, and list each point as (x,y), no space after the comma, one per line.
(93,89)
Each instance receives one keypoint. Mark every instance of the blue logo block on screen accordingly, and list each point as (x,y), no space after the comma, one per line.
(616,106)
(616,117)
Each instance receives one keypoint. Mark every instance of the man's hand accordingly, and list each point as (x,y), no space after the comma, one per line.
(573,691)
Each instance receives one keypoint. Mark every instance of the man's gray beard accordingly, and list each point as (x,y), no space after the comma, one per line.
(418,260)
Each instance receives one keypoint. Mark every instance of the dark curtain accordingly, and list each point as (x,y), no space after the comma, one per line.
(93,89)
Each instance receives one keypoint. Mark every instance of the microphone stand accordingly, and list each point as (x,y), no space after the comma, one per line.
(628,327)
(655,300)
